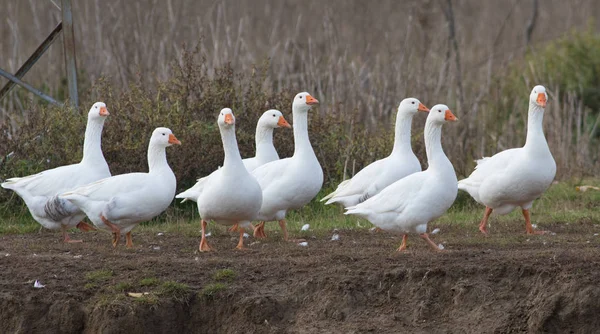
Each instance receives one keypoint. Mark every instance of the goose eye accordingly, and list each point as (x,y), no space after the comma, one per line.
(413,102)
(163,134)
(440,110)
(96,107)
(300,96)
(273,115)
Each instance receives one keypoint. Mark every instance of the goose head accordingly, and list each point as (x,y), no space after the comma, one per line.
(440,114)
(273,118)
(303,102)
(411,106)
(226,119)
(98,111)
(163,137)
(538,96)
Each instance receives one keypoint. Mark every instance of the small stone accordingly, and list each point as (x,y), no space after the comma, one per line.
(78,256)
(246,235)
(436,231)
(441,247)
(160,234)
(156,248)
(208,234)
(305,227)
(335,237)
(303,244)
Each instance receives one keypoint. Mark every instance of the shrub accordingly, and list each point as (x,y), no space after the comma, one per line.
(188,102)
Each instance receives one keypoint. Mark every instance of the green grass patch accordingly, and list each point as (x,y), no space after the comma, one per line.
(211,289)
(90,286)
(175,290)
(224,275)
(123,287)
(99,276)
(149,300)
(149,281)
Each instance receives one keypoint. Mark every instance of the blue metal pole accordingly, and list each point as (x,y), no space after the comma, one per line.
(29,87)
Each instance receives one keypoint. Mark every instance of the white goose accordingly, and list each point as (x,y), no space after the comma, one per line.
(518,176)
(407,205)
(292,182)
(119,203)
(265,151)
(39,191)
(381,173)
(231,196)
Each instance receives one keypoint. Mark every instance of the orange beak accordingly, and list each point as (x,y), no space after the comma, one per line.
(311,100)
(173,139)
(282,123)
(450,116)
(423,108)
(229,119)
(541,100)
(104,111)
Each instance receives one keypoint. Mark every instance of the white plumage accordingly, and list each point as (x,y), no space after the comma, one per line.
(119,203)
(381,173)
(232,196)
(292,182)
(515,177)
(407,205)
(39,191)
(265,151)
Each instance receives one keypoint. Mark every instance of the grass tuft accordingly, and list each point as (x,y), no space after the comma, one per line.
(224,275)
(211,289)
(99,276)
(123,287)
(149,281)
(177,291)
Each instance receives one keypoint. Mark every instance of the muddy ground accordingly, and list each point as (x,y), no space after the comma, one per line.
(505,283)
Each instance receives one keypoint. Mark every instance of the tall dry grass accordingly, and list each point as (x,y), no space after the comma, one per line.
(359,58)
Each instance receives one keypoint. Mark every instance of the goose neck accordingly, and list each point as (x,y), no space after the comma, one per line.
(233,159)
(157,159)
(433,145)
(535,131)
(264,141)
(301,141)
(402,134)
(92,144)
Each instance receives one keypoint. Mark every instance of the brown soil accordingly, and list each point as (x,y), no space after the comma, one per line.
(505,283)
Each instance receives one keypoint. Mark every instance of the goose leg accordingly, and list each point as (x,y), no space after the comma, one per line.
(483,224)
(66,238)
(129,243)
(403,245)
(204,247)
(433,245)
(85,227)
(240,244)
(283,226)
(116,231)
(233,228)
(528,226)
(259,230)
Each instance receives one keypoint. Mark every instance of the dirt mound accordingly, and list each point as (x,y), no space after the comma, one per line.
(356,284)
